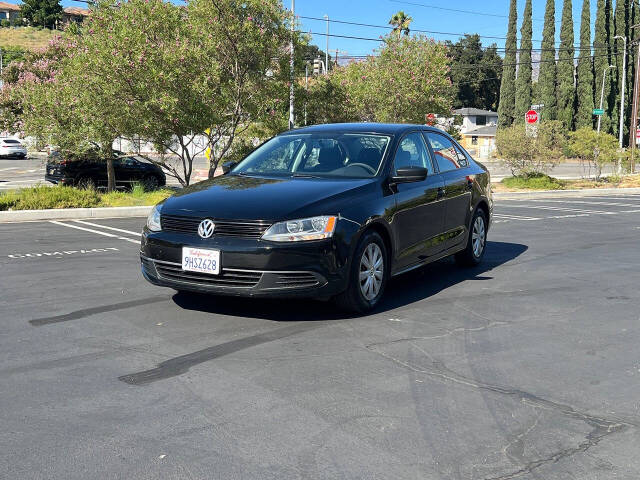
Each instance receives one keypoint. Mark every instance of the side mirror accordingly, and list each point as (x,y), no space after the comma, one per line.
(227,166)
(410,174)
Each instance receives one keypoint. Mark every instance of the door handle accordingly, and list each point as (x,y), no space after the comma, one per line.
(441,192)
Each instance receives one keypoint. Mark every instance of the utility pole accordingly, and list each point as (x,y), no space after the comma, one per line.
(624,81)
(326,52)
(291,66)
(634,109)
(604,76)
(306,88)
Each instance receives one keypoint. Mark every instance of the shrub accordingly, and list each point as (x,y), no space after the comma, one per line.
(596,150)
(534,182)
(43,197)
(527,155)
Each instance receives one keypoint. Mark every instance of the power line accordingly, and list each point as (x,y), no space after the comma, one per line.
(456,10)
(432,32)
(501,49)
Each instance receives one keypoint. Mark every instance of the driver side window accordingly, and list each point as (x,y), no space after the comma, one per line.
(412,152)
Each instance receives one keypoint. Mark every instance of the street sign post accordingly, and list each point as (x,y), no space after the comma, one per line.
(598,111)
(532,118)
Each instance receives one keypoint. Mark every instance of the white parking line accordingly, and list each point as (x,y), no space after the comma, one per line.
(612,204)
(137,234)
(95,231)
(514,217)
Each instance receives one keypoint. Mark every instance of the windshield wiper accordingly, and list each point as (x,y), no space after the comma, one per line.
(305,175)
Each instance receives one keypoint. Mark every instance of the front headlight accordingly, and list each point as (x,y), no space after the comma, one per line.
(315,228)
(153,220)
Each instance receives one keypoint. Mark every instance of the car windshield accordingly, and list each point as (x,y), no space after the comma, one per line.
(325,155)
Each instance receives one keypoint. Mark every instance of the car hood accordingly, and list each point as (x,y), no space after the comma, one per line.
(260,198)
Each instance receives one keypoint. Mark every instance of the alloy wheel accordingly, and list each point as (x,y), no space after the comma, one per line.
(478,236)
(371,271)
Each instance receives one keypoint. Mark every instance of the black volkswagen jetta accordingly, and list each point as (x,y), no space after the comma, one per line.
(329,211)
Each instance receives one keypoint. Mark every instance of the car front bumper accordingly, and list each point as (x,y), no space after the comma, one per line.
(249,267)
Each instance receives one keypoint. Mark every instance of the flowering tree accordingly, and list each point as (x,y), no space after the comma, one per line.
(405,81)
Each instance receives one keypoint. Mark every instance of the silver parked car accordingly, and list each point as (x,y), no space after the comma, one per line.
(10,147)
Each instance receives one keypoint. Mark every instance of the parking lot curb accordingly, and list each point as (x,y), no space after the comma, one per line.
(587,192)
(73,213)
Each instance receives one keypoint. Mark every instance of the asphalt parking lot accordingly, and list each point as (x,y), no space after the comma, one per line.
(526,367)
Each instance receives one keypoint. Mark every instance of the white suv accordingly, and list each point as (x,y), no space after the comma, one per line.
(10,147)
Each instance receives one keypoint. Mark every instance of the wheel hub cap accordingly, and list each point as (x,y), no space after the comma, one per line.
(371,271)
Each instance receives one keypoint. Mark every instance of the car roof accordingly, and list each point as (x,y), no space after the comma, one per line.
(380,128)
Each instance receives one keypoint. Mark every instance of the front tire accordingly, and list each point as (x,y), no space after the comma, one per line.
(477,242)
(368,275)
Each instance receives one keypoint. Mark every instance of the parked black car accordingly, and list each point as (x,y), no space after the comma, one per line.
(329,211)
(92,172)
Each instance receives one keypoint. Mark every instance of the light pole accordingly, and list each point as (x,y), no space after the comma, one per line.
(326,52)
(291,66)
(306,89)
(624,81)
(604,76)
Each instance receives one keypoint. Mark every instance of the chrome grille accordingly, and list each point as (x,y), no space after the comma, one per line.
(229,228)
(228,278)
(296,280)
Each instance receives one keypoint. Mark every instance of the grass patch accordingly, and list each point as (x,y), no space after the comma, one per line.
(45,197)
(29,38)
(537,182)
(544,182)
(135,198)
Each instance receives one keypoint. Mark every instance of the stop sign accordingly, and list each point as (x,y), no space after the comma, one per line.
(531,116)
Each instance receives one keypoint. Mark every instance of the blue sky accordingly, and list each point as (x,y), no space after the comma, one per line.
(493,22)
(378,12)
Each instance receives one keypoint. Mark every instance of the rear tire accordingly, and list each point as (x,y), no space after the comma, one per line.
(477,241)
(150,183)
(86,183)
(368,275)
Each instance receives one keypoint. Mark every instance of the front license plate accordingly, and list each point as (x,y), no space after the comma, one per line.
(201,260)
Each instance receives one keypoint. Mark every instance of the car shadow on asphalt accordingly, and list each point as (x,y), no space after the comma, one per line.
(402,291)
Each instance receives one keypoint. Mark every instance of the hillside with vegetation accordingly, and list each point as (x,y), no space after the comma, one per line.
(27,38)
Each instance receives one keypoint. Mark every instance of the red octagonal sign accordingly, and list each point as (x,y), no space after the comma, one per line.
(531,116)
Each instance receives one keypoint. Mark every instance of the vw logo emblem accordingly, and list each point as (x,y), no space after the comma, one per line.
(206,228)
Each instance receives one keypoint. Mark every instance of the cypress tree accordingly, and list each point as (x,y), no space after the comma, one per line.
(523,82)
(547,78)
(634,36)
(621,26)
(601,59)
(566,71)
(584,117)
(507,105)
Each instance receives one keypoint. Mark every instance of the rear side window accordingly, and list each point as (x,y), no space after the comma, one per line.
(10,141)
(412,152)
(447,156)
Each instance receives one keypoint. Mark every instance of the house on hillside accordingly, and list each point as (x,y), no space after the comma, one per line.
(74,14)
(9,11)
(478,131)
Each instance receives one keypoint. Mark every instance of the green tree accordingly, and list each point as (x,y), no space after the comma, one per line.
(400,22)
(566,70)
(405,81)
(523,82)
(507,105)
(601,60)
(477,86)
(527,155)
(547,79)
(41,13)
(585,80)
